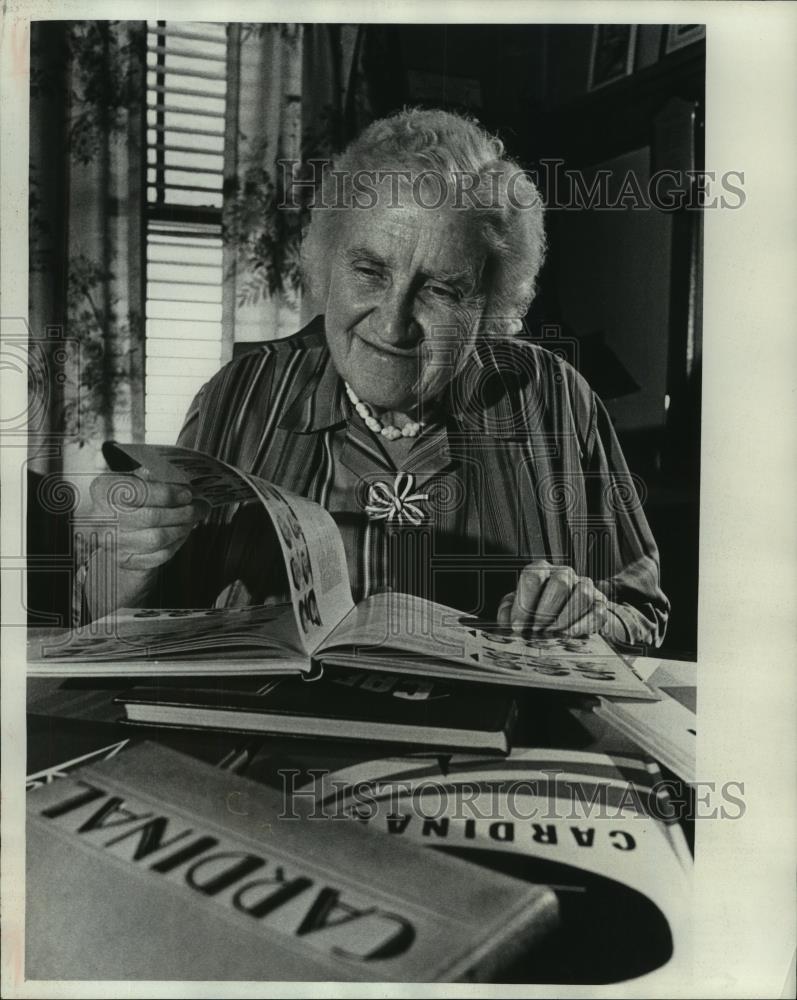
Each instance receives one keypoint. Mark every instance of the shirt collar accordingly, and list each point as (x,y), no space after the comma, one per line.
(319,402)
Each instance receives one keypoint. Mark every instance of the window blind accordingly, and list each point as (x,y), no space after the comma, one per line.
(186,96)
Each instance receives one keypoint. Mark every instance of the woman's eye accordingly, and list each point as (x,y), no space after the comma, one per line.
(443,292)
(367,271)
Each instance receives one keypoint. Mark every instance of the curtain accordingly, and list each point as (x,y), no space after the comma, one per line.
(86,237)
(297,93)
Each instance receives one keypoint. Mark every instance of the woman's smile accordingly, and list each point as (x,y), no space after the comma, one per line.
(390,351)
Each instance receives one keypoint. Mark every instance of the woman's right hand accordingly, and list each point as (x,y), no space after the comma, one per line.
(141,523)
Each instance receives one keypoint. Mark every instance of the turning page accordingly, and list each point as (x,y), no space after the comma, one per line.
(316,568)
(308,536)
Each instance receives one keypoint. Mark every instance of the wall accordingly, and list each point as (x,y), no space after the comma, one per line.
(615,279)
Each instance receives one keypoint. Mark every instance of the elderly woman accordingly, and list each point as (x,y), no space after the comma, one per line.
(411,393)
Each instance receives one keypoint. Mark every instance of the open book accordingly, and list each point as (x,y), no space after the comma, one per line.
(322,626)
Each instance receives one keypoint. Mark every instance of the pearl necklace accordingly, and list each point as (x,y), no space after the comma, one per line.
(410,430)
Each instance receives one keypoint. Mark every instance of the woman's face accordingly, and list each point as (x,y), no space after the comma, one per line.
(405,299)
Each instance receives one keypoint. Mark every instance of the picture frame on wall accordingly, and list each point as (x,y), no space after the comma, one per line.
(678,36)
(612,56)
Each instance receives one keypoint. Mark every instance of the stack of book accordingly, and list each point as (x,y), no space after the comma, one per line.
(184,869)
(586,839)
(550,866)
(353,705)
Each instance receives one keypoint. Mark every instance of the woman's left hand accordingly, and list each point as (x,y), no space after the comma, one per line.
(553,599)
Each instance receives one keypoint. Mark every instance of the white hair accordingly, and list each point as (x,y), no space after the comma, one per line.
(508,206)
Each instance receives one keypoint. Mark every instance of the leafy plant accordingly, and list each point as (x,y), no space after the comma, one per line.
(266,237)
(109,83)
(108,363)
(264,221)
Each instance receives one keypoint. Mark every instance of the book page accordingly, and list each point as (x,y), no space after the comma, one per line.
(316,561)
(136,633)
(389,622)
(308,536)
(210,479)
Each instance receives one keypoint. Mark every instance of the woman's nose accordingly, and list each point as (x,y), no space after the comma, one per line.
(395,324)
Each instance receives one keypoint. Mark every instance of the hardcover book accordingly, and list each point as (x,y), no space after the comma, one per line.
(350,704)
(386,631)
(156,866)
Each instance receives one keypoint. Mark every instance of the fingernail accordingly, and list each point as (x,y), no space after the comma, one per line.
(184,496)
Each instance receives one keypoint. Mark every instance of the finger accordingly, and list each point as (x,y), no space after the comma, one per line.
(158,494)
(149,477)
(505,609)
(553,597)
(593,621)
(151,539)
(162,517)
(150,560)
(530,584)
(126,493)
(580,601)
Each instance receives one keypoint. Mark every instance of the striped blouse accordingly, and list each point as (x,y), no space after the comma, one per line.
(520,463)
